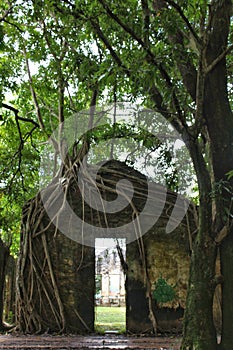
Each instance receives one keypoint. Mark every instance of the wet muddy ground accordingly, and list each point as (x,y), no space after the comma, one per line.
(117,342)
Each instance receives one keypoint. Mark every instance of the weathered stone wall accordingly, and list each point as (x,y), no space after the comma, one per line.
(166,255)
(74,269)
(55,282)
(64,300)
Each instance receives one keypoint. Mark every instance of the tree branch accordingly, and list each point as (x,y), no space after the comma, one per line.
(34,97)
(124,26)
(155,94)
(48,42)
(157,98)
(222,234)
(186,21)
(195,129)
(86,143)
(23,139)
(213,64)
(6,13)
(61,90)
(150,58)
(106,42)
(16,111)
(146,21)
(183,61)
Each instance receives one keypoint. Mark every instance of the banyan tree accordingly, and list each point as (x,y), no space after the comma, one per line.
(56,266)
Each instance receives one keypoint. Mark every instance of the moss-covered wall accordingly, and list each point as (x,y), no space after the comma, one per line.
(166,255)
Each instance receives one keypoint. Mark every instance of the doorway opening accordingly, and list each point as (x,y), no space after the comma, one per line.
(110,310)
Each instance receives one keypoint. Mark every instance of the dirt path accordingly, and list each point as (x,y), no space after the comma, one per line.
(111,342)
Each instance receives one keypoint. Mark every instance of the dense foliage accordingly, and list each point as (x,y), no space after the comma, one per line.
(55,62)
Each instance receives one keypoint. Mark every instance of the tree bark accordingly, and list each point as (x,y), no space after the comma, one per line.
(227,292)
(199,330)
(219,120)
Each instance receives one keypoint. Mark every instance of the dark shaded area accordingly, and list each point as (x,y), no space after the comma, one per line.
(137,310)
(169,319)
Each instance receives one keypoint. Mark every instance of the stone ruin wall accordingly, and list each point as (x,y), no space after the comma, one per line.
(74,266)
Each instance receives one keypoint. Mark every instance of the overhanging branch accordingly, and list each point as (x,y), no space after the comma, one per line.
(185,19)
(213,64)
(34,96)
(16,111)
(150,58)
(6,13)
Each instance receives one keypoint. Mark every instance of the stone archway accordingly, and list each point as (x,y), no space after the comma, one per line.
(55,284)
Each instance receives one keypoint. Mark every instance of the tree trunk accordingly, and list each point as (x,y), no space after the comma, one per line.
(199,330)
(4,254)
(227,292)
(219,119)
(219,122)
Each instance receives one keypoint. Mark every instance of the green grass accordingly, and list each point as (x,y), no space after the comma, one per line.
(109,318)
